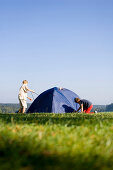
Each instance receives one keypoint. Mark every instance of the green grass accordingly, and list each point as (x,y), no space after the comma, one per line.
(56,141)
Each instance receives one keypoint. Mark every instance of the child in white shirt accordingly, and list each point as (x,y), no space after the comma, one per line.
(23,96)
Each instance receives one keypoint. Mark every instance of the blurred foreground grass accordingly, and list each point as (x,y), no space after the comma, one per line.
(56,141)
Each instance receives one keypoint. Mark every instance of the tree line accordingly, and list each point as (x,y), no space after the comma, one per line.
(9,108)
(12,108)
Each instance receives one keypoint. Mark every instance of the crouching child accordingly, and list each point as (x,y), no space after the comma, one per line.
(85,105)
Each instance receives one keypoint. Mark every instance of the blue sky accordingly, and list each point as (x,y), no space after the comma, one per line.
(66,43)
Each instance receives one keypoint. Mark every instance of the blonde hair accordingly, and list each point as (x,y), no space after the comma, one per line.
(25,82)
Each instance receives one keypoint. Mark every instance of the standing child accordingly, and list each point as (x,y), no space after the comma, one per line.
(85,105)
(23,96)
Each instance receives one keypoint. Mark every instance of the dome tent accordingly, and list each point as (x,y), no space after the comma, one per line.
(54,100)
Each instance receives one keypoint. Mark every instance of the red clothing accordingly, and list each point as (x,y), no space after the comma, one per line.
(89,109)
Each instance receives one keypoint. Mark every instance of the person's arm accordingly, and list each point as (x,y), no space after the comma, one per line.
(30,90)
(78,109)
(81,107)
(29,98)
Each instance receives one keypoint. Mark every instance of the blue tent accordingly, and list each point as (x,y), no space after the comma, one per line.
(54,100)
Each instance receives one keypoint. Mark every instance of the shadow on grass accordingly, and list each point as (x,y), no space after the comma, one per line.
(14,158)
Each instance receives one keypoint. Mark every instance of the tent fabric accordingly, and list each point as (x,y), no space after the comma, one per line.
(54,100)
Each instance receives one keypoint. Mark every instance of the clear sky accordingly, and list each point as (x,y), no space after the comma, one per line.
(66,43)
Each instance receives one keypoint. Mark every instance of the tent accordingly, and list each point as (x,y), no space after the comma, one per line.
(54,100)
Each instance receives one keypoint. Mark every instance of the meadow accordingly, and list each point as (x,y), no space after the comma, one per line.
(56,141)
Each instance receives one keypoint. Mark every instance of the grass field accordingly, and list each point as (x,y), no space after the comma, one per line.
(56,141)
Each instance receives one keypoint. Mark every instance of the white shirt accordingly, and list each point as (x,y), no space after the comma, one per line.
(23,92)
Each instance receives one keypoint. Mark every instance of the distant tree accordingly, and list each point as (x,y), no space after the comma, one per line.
(9,108)
(0,110)
(109,107)
(99,108)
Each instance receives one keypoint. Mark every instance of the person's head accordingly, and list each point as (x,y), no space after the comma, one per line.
(25,82)
(77,100)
